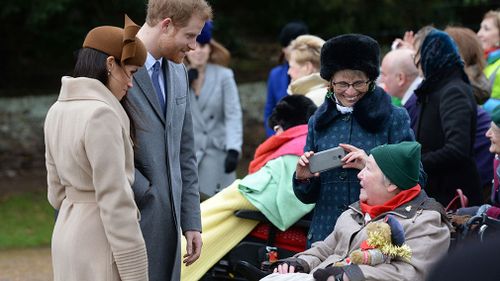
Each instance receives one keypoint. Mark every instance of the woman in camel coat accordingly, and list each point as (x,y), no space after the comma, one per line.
(90,168)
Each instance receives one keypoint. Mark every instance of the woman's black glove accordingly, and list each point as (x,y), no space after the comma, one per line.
(192,75)
(323,274)
(231,161)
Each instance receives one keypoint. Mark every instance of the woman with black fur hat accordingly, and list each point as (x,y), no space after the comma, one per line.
(355,114)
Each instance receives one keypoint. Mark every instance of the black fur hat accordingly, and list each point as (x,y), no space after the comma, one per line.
(350,51)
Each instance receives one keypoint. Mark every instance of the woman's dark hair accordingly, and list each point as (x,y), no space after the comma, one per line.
(292,111)
(91,63)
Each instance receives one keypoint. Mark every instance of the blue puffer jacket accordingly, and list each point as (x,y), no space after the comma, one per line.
(374,121)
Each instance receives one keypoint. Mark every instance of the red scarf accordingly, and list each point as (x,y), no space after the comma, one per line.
(291,141)
(401,198)
(487,52)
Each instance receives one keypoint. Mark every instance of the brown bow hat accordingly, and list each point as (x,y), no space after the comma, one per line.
(120,43)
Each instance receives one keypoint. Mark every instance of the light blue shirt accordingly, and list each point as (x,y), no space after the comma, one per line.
(150,61)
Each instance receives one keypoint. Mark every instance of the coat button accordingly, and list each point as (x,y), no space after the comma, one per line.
(211,117)
(343,176)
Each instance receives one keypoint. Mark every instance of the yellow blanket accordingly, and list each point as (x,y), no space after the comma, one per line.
(222,230)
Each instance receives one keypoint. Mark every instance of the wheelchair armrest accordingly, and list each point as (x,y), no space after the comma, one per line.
(303,222)
(492,222)
(258,216)
(251,215)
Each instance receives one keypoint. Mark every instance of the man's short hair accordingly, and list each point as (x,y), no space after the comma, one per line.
(180,11)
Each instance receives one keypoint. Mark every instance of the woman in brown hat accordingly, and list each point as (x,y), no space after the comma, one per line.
(89,159)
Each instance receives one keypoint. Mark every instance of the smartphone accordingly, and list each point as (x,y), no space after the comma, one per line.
(326,159)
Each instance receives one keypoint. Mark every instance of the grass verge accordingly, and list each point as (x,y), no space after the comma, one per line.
(26,220)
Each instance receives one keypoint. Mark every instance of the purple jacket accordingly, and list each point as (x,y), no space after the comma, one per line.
(484,158)
(411,107)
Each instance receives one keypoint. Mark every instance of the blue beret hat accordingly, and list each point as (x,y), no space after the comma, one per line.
(206,33)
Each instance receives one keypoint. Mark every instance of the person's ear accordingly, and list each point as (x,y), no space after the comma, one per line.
(110,62)
(401,78)
(165,23)
(392,188)
(309,67)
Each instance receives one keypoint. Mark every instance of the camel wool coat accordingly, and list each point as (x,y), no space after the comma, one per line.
(90,169)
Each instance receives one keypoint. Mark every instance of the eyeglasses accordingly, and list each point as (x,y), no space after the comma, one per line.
(342,86)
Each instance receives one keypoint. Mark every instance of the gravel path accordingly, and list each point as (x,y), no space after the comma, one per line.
(25,265)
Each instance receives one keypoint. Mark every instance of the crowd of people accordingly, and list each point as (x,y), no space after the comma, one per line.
(144,140)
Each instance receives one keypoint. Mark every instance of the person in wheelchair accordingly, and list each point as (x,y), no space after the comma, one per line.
(389,185)
(492,209)
(493,134)
(267,188)
(480,256)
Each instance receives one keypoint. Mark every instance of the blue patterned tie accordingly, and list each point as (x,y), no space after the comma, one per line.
(156,84)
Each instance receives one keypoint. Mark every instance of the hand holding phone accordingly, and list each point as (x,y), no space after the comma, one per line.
(326,159)
(355,157)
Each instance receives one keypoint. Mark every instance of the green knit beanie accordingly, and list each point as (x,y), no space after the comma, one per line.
(495,116)
(399,162)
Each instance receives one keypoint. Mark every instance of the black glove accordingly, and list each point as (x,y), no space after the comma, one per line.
(291,262)
(322,274)
(192,75)
(231,161)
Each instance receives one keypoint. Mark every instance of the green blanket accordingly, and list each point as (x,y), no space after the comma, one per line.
(270,190)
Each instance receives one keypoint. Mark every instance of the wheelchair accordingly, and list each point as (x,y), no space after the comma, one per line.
(468,227)
(251,258)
